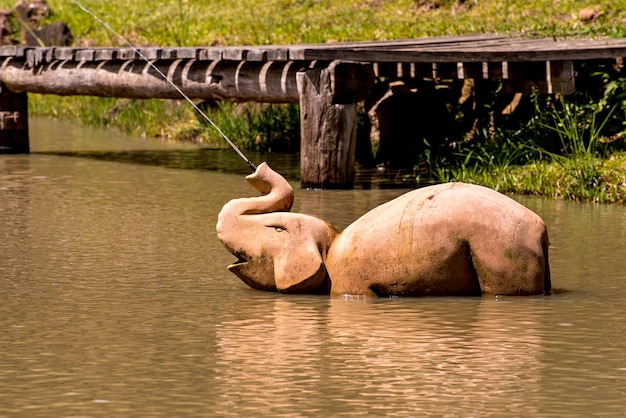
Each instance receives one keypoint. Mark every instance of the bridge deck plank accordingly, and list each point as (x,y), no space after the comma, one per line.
(467,48)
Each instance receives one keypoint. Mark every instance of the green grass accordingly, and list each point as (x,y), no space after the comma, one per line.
(545,178)
(584,165)
(227,22)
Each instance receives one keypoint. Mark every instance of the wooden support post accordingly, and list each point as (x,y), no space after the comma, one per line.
(13,122)
(328,116)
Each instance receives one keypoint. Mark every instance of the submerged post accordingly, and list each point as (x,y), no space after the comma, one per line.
(13,122)
(328,116)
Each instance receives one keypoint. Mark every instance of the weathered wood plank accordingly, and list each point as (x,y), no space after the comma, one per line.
(412,55)
(127,54)
(105,54)
(63,53)
(85,55)
(472,48)
(301,51)
(234,54)
(257,55)
(514,49)
(8,51)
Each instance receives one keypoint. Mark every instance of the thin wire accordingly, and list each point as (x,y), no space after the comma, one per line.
(154,67)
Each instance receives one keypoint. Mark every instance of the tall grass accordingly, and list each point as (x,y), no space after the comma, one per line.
(583,167)
(485,163)
(580,140)
(256,127)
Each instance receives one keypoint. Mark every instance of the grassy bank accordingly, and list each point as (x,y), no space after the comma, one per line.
(531,157)
(226,22)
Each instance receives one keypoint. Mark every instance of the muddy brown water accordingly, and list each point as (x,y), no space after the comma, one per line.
(115,301)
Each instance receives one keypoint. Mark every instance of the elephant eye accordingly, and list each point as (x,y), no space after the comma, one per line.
(278,228)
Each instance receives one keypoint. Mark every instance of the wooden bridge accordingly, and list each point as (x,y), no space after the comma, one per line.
(326,80)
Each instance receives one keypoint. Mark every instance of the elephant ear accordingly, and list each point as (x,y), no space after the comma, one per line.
(301,273)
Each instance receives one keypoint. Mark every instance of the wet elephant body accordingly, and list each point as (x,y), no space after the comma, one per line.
(448,239)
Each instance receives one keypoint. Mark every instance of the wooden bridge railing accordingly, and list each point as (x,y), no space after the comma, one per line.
(326,80)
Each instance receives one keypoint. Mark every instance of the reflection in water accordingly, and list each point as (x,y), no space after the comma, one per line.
(275,358)
(411,357)
(51,137)
(116,301)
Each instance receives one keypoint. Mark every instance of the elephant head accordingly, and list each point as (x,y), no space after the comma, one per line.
(275,249)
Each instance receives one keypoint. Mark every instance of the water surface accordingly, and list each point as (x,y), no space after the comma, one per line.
(115,301)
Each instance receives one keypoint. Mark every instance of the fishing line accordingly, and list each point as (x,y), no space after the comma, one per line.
(154,67)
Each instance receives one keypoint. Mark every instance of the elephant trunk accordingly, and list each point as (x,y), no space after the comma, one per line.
(276,196)
(276,192)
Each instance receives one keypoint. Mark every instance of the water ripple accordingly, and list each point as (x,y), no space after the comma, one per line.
(116,301)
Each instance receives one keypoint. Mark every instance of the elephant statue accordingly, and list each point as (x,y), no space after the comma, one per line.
(446,239)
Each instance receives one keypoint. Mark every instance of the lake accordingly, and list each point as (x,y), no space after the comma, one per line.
(115,300)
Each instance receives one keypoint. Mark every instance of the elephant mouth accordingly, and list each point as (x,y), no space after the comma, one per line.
(241,261)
